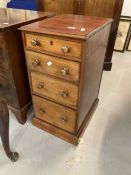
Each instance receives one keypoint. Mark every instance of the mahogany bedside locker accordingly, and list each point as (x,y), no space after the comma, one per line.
(65,56)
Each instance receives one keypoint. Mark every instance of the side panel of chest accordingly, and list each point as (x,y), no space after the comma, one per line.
(92,68)
(16,60)
(7,89)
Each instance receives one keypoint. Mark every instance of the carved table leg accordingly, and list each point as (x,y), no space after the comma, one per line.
(4,131)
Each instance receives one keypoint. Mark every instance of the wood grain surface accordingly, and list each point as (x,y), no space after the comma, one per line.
(55,114)
(55,66)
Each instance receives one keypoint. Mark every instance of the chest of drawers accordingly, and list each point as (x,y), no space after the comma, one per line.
(65,56)
(14,86)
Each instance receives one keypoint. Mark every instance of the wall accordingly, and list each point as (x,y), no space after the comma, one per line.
(126,8)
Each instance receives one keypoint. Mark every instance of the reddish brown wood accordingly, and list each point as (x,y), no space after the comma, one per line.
(93,58)
(100,8)
(92,33)
(59,6)
(14,86)
(76,26)
(10,18)
(113,33)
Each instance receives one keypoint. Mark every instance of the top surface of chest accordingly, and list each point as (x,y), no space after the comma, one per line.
(15,17)
(70,25)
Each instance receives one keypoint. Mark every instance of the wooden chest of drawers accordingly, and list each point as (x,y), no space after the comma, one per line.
(14,86)
(65,56)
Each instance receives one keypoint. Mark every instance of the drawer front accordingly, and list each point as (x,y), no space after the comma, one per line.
(54,45)
(55,89)
(61,68)
(55,114)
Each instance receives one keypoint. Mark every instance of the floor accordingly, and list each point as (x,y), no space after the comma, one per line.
(105,148)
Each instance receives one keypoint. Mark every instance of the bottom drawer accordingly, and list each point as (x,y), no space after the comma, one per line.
(55,114)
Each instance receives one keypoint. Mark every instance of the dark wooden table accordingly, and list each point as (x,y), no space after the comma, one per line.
(4,130)
(14,86)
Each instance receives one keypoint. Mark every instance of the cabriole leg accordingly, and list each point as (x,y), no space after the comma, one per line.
(4,131)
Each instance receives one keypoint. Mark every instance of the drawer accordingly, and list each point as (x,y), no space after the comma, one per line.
(55,114)
(61,68)
(54,45)
(55,89)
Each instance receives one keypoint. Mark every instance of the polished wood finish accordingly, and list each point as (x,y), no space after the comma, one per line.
(65,69)
(10,18)
(63,92)
(70,28)
(100,8)
(4,131)
(71,138)
(14,86)
(59,6)
(95,49)
(55,114)
(54,45)
(74,102)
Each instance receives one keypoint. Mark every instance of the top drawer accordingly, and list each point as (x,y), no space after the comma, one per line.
(55,45)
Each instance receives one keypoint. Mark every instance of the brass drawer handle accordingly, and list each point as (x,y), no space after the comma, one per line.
(42,111)
(64,120)
(64,71)
(64,94)
(35,42)
(65,49)
(36,62)
(40,86)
